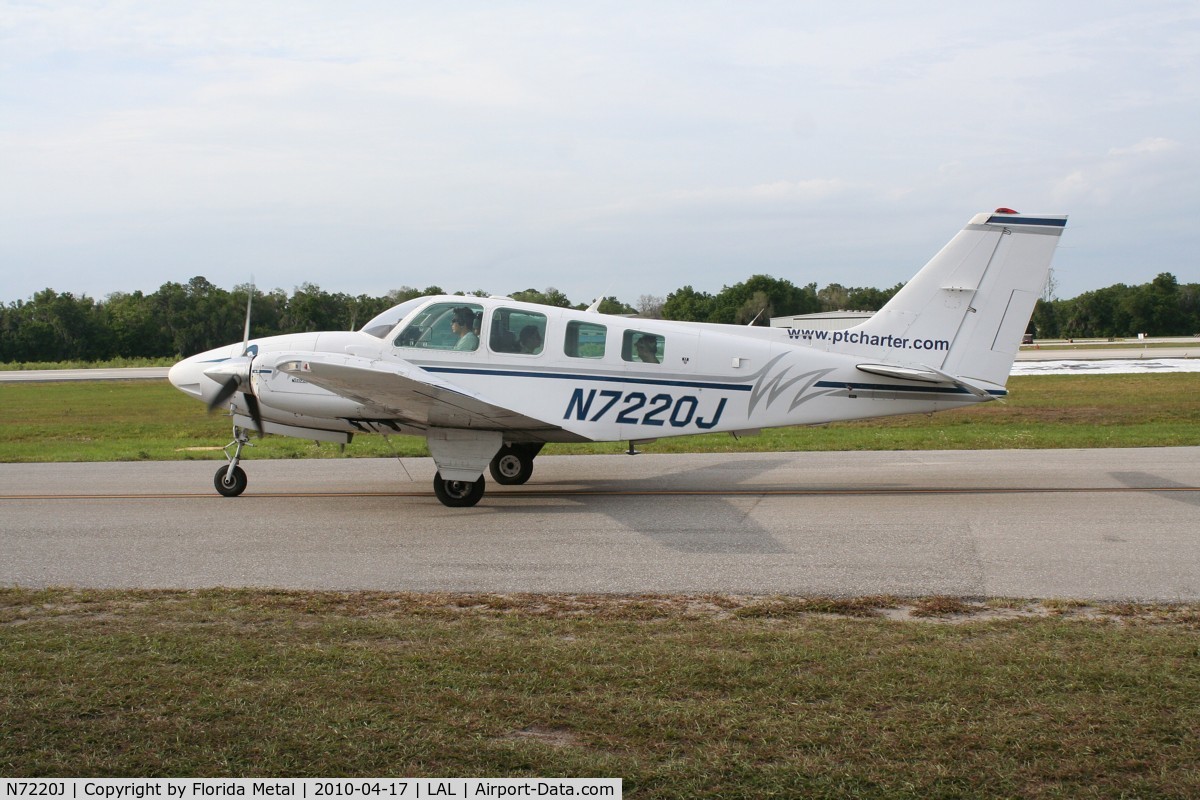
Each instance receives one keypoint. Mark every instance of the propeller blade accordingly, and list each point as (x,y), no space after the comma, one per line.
(246,332)
(255,412)
(232,375)
(228,387)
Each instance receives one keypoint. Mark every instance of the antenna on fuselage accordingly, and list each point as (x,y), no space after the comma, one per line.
(594,308)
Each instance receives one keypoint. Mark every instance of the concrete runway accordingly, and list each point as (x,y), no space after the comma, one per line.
(88,374)
(1087,524)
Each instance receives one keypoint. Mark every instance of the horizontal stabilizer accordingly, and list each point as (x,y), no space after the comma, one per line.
(926,374)
(905,373)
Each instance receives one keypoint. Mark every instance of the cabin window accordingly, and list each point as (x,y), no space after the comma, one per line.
(444,326)
(645,348)
(585,340)
(517,331)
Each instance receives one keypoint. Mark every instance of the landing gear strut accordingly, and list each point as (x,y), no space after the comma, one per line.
(230,479)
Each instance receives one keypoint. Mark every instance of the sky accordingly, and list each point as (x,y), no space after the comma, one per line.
(604,148)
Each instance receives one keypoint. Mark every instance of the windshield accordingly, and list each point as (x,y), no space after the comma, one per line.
(444,326)
(382,324)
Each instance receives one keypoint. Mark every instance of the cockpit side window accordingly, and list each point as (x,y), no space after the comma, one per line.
(585,340)
(646,348)
(443,326)
(517,331)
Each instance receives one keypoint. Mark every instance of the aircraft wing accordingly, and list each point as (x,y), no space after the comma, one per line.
(406,393)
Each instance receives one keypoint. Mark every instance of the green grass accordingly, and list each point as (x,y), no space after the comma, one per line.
(681,697)
(150,420)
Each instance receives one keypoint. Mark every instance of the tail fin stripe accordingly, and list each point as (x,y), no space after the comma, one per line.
(1005,219)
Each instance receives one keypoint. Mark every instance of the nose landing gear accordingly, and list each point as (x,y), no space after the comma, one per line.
(230,479)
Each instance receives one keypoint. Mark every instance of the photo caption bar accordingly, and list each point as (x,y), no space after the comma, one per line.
(307,788)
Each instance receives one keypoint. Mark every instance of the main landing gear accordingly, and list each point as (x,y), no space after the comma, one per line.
(458,494)
(230,479)
(513,464)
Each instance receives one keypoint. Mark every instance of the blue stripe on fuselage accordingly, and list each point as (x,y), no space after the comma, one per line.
(572,376)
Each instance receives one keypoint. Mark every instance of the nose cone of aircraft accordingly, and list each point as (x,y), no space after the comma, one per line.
(187,376)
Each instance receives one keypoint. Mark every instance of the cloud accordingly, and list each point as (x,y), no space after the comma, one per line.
(1146,147)
(1130,174)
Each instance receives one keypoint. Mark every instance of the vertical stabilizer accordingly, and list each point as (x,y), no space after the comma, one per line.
(964,313)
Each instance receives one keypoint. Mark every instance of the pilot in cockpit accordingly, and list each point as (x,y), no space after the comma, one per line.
(463,326)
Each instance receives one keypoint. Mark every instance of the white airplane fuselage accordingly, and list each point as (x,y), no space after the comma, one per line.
(713,379)
(478,375)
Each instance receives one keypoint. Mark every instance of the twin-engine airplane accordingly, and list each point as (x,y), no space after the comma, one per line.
(489,381)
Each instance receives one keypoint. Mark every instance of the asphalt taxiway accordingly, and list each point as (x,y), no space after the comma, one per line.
(1089,524)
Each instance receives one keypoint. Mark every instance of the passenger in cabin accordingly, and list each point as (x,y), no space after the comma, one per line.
(531,340)
(463,326)
(647,349)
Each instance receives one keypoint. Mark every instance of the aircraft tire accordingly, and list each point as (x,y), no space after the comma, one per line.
(457,494)
(235,485)
(512,466)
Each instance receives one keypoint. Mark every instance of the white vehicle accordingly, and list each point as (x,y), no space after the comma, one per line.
(489,381)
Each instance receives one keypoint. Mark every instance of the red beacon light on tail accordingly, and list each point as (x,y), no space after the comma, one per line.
(1004,211)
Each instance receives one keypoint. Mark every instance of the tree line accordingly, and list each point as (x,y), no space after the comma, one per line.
(181,319)
(1162,307)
